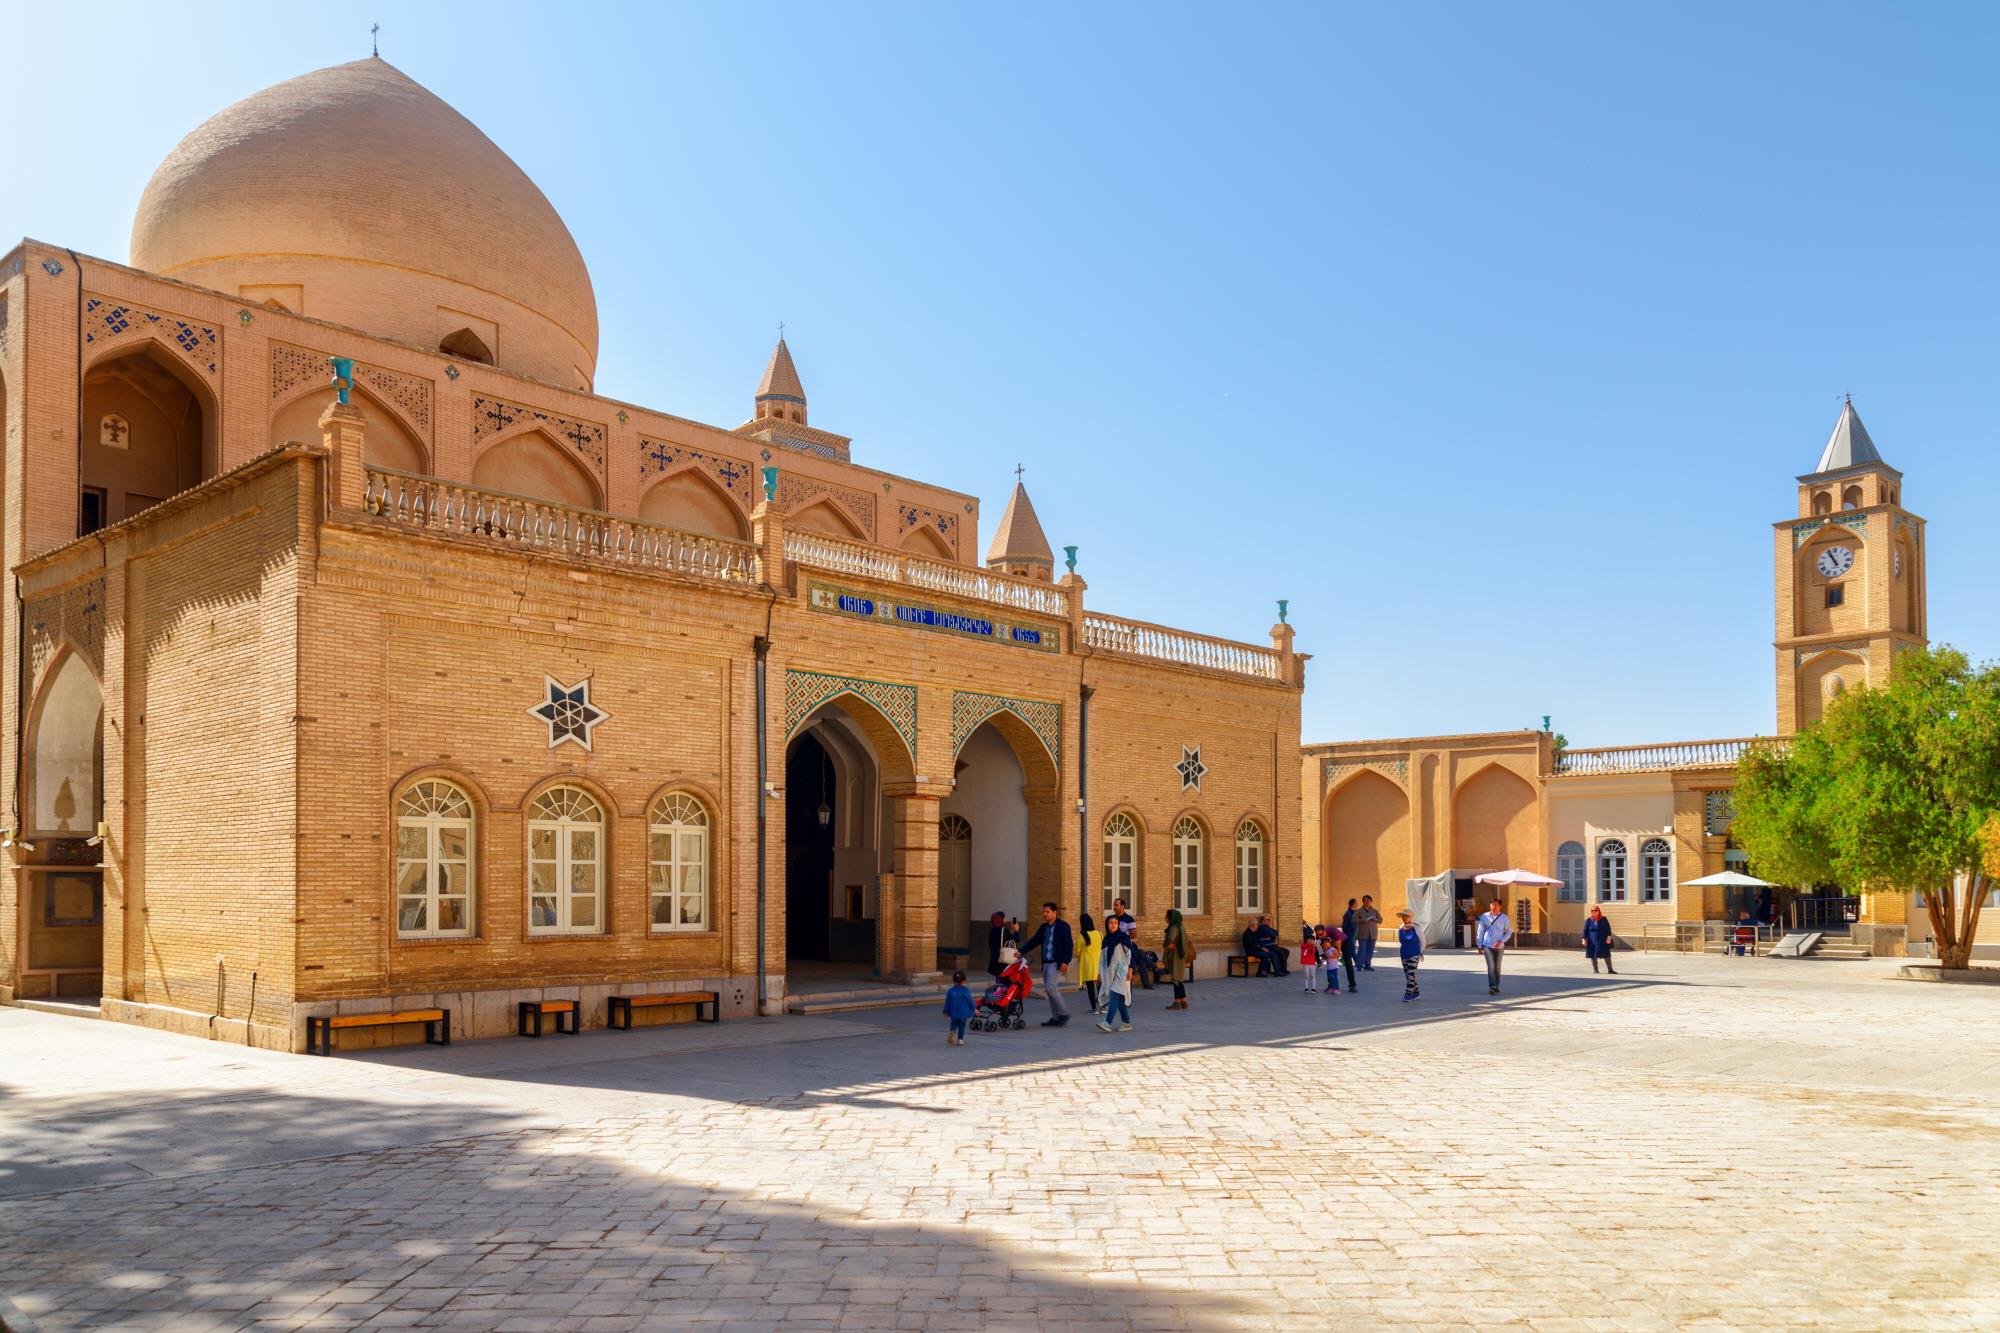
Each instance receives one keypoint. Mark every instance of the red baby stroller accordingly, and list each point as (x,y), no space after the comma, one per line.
(1005,1002)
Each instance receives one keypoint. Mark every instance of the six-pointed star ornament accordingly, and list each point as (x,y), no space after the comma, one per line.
(569,712)
(1191,768)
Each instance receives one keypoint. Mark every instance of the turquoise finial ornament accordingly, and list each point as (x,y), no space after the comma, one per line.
(1545,721)
(1069,558)
(343,375)
(1284,609)
(770,484)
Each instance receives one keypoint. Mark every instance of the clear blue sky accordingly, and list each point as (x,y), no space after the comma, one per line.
(1491,336)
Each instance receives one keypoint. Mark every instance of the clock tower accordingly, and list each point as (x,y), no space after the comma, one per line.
(1850,577)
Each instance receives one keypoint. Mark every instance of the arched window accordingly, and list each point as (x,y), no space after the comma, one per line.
(1611,872)
(433,861)
(1187,864)
(1851,498)
(1121,862)
(1249,868)
(466,345)
(678,876)
(1656,871)
(565,863)
(1569,869)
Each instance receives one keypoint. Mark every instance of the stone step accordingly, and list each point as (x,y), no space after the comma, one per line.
(1845,951)
(74,1008)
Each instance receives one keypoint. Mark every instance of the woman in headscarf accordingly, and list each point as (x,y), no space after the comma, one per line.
(1089,960)
(998,935)
(1177,956)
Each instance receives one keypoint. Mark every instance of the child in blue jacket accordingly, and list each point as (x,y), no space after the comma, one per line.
(1411,944)
(958,1008)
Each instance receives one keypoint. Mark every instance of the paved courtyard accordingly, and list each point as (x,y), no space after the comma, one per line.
(1698,1143)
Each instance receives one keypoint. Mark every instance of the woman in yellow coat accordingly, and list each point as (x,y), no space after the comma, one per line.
(1089,958)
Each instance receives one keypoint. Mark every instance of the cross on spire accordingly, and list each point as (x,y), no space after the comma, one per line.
(1018,470)
(374,41)
(781,330)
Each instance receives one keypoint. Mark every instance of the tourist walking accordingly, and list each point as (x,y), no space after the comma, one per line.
(1491,933)
(1177,957)
(1368,928)
(1597,940)
(1117,979)
(1309,962)
(1058,949)
(958,1007)
(1347,929)
(1090,960)
(1410,944)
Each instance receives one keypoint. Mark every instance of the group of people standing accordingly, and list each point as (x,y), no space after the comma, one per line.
(1107,960)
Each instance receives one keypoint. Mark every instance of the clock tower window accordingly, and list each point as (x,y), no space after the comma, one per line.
(1835,594)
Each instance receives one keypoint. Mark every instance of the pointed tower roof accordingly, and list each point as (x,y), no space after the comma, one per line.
(781,376)
(1019,539)
(1849,445)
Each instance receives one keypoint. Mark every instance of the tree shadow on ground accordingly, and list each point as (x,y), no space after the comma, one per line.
(429,1215)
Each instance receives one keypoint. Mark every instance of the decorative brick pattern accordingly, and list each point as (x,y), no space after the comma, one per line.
(74,617)
(658,457)
(969,710)
(807,690)
(493,418)
(292,367)
(107,323)
(796,492)
(911,517)
(1333,773)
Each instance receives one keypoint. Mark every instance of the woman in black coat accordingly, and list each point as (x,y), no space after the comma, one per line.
(1597,940)
(999,934)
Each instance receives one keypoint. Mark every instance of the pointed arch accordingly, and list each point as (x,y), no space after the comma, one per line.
(689,499)
(924,541)
(1824,677)
(171,412)
(390,438)
(466,345)
(1494,820)
(1365,841)
(65,749)
(882,712)
(532,465)
(823,515)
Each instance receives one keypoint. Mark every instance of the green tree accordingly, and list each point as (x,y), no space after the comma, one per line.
(1895,790)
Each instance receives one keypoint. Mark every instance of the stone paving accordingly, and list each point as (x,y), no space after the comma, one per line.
(1699,1143)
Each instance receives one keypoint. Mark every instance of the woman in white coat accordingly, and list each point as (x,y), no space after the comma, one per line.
(1117,979)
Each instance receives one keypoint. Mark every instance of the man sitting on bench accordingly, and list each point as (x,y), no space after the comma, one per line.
(1272,956)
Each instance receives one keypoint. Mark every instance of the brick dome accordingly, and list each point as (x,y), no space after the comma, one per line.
(355,195)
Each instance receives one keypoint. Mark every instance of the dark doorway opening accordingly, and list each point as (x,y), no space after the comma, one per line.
(809,789)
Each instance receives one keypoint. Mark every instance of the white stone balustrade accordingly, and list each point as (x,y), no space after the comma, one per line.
(408,500)
(1136,638)
(873,562)
(1644,758)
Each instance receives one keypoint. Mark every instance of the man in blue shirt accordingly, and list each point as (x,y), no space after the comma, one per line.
(1057,949)
(1491,933)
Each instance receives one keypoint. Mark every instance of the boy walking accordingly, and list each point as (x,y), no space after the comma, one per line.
(1410,943)
(958,1008)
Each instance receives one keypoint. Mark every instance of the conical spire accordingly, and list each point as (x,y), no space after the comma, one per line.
(1849,445)
(1019,544)
(781,376)
(779,393)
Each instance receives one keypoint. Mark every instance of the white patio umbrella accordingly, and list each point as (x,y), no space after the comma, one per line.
(1728,879)
(1527,877)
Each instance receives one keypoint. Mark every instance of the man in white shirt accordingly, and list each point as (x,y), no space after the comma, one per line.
(1491,933)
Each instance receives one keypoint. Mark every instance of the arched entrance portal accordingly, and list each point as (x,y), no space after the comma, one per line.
(1005,790)
(148,434)
(836,851)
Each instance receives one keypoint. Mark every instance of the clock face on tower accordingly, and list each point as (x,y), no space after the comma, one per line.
(1835,561)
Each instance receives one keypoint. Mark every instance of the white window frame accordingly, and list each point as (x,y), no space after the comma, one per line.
(1121,859)
(1611,886)
(680,819)
(1570,869)
(556,812)
(1249,868)
(1656,871)
(433,807)
(1190,845)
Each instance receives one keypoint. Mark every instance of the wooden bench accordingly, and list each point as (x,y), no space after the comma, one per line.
(319,1027)
(1241,963)
(618,1009)
(536,1008)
